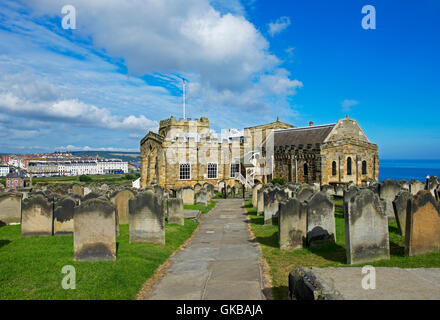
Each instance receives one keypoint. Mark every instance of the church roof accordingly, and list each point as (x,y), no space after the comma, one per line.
(302,136)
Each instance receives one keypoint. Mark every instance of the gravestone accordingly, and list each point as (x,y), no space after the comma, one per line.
(432,184)
(87,190)
(305,193)
(330,190)
(120,201)
(366,229)
(321,228)
(94,236)
(147,218)
(197,187)
(415,186)
(77,189)
(422,233)
(400,205)
(36,216)
(339,191)
(63,216)
(388,190)
(187,195)
(255,190)
(10,207)
(202,197)
(271,206)
(292,225)
(175,211)
(210,189)
(260,201)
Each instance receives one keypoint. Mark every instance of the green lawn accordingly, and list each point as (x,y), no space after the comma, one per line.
(333,255)
(30,268)
(108,179)
(201,207)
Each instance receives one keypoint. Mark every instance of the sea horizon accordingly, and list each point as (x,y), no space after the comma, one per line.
(408,169)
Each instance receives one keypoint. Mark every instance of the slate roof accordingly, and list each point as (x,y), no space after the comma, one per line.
(302,136)
(13,175)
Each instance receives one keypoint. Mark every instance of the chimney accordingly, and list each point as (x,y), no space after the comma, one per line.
(311,124)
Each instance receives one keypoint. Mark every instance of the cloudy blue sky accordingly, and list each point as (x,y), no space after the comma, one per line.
(105,84)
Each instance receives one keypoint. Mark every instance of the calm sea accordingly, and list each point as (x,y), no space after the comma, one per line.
(408,169)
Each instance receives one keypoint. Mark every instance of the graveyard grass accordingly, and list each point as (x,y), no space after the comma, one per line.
(281,263)
(201,207)
(30,268)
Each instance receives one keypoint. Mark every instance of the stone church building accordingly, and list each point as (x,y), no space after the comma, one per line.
(187,153)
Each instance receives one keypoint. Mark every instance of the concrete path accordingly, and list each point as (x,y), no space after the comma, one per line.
(220,262)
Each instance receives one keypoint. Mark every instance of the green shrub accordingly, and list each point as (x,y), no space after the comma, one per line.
(279,181)
(129,176)
(84,178)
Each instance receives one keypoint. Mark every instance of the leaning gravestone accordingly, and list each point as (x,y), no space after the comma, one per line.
(366,229)
(94,237)
(147,218)
(400,205)
(197,187)
(415,186)
(120,201)
(330,190)
(175,211)
(292,225)
(10,207)
(422,224)
(321,228)
(255,194)
(36,216)
(63,216)
(77,189)
(305,193)
(202,197)
(187,195)
(388,190)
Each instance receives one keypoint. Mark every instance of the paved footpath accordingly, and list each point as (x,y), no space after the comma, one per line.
(220,262)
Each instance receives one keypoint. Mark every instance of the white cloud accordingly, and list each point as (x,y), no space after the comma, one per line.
(278,26)
(347,104)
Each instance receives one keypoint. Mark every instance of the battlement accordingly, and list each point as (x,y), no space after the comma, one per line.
(203,121)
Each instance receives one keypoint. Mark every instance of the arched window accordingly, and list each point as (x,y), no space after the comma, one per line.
(334,170)
(306,169)
(349,166)
(364,167)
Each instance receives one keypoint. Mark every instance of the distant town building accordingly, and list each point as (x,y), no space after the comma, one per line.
(4,171)
(13,181)
(77,167)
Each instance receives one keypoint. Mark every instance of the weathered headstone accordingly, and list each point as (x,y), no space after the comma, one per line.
(175,211)
(202,197)
(305,193)
(187,195)
(366,229)
(330,190)
(260,201)
(10,207)
(63,216)
(255,189)
(432,184)
(400,205)
(339,191)
(321,227)
(197,187)
(422,233)
(77,189)
(388,190)
(292,225)
(271,206)
(415,186)
(120,201)
(36,216)
(94,237)
(147,218)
